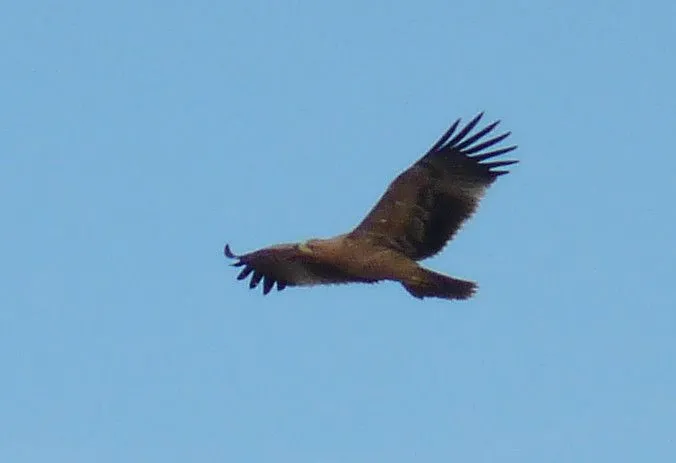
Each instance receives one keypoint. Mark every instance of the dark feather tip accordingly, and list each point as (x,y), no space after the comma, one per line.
(465,130)
(491,165)
(268,283)
(492,154)
(245,273)
(255,279)
(228,252)
(444,138)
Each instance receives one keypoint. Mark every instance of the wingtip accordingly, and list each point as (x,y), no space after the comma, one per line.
(228,252)
(268,283)
(498,173)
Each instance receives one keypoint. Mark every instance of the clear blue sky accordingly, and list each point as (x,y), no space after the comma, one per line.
(137,137)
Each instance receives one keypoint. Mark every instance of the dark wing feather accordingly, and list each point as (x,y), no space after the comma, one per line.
(285,265)
(427,204)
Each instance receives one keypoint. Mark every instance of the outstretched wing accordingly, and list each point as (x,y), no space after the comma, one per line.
(427,204)
(286,265)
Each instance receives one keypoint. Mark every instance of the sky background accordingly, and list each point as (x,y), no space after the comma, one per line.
(138,137)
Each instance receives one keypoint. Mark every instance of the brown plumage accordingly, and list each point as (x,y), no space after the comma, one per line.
(419,213)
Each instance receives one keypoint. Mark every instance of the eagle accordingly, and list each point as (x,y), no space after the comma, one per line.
(420,212)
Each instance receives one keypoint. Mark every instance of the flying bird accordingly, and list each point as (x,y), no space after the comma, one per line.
(420,212)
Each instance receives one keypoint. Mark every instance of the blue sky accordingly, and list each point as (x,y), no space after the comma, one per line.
(136,138)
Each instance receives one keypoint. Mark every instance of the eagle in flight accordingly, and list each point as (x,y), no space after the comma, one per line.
(419,213)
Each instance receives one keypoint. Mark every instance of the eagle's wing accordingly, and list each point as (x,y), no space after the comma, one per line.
(427,204)
(286,265)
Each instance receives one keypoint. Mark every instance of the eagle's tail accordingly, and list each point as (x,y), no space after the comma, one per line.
(431,284)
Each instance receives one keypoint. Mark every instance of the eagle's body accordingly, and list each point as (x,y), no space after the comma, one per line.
(418,214)
(361,257)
